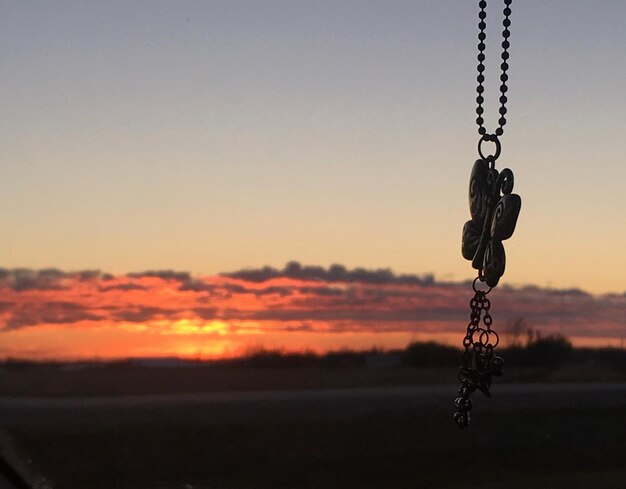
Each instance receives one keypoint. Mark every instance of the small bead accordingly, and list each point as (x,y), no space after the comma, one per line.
(481,37)
(506,33)
(502,110)
(507,2)
(505,55)
(504,66)
(480,89)
(480,78)
(481,46)
(482,131)
(504,77)
(499,131)
(505,45)
(507,11)
(479,110)
(481,68)
(482,26)
(481,57)
(480,99)
(502,121)
(503,99)
(479,121)
(482,4)
(503,88)
(506,22)
(482,14)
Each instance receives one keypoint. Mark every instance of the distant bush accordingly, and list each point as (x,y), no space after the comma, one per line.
(430,354)
(535,351)
(345,358)
(262,358)
(610,357)
(541,352)
(277,359)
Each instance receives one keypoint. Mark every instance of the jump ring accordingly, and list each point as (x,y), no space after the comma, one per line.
(482,279)
(491,138)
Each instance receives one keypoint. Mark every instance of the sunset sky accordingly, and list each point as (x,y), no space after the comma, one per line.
(212,137)
(90,314)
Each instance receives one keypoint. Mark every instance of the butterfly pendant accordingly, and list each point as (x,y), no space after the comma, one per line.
(493,220)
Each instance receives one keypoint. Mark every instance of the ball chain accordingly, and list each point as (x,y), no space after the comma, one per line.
(482,15)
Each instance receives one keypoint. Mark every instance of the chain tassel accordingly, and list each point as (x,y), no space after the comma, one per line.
(480,363)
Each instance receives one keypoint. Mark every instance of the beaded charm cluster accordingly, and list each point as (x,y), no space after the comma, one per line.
(479,361)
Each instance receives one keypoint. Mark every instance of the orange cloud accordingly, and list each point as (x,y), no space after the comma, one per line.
(56,314)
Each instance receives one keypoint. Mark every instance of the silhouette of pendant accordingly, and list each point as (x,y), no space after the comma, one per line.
(494,217)
(494,211)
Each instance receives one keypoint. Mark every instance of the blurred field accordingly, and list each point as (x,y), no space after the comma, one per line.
(348,419)
(124,379)
(529,435)
(118,380)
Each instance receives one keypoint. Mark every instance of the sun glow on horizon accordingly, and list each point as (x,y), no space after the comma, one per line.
(50,314)
(192,327)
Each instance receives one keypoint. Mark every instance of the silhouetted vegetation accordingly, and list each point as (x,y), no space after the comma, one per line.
(429,354)
(533,350)
(532,359)
(615,357)
(263,358)
(540,352)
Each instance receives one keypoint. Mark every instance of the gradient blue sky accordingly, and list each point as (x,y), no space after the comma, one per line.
(214,135)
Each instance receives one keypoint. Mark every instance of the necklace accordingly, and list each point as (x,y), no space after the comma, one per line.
(494,210)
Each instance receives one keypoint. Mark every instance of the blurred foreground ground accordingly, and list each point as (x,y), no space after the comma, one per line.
(104,380)
(343,428)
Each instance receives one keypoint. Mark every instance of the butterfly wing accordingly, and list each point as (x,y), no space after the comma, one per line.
(471,239)
(505,217)
(473,229)
(494,262)
(478,189)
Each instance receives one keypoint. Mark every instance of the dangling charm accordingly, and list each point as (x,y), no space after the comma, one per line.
(494,211)
(493,220)
(479,361)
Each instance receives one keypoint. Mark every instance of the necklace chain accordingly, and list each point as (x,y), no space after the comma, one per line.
(494,211)
(482,15)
